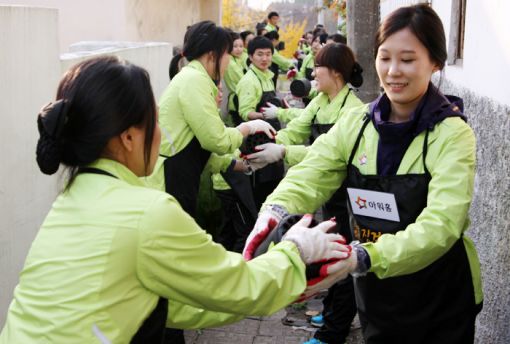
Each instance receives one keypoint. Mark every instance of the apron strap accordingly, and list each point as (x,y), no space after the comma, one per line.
(358,139)
(341,106)
(425,148)
(94,170)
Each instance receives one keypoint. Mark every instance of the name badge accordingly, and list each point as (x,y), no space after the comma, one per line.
(381,205)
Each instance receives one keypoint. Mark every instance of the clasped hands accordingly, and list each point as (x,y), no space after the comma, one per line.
(315,245)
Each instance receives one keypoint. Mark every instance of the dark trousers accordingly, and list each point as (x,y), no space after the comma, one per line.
(237,221)
(262,190)
(174,336)
(339,311)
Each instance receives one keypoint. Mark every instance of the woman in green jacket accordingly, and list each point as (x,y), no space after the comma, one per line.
(335,68)
(409,166)
(112,251)
(190,121)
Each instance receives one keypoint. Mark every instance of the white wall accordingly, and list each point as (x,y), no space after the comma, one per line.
(485,68)
(30,68)
(126,20)
(29,71)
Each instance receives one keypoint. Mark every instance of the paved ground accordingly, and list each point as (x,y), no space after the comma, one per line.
(268,330)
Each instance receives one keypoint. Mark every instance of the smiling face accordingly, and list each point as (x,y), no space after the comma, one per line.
(404,68)
(316,45)
(238,47)
(327,79)
(261,58)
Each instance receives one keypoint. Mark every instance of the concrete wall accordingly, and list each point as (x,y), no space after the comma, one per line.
(126,20)
(29,72)
(490,215)
(30,68)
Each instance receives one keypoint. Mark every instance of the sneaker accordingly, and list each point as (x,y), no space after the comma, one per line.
(317,321)
(314,341)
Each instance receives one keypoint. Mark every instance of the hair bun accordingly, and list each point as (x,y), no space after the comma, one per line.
(50,123)
(356,79)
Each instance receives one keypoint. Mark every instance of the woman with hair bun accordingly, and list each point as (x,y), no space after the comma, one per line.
(335,69)
(192,128)
(408,162)
(115,261)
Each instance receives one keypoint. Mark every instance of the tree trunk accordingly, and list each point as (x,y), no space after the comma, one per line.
(362,24)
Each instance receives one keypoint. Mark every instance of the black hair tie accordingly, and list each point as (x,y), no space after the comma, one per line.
(357,69)
(356,79)
(50,123)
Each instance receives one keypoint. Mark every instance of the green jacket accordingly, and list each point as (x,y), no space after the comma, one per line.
(282,62)
(451,162)
(188,109)
(308,62)
(110,247)
(244,59)
(270,27)
(249,89)
(320,110)
(234,73)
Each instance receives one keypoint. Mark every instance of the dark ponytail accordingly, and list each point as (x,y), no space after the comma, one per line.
(201,38)
(97,100)
(340,58)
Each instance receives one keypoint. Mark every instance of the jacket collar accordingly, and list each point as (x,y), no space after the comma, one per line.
(267,75)
(433,108)
(196,65)
(118,170)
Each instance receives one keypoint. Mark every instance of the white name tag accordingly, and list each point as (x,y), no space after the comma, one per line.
(381,205)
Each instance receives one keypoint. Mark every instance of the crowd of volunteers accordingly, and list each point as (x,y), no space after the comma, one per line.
(121,258)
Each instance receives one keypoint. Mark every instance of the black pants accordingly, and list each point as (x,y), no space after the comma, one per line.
(237,221)
(262,190)
(174,336)
(339,311)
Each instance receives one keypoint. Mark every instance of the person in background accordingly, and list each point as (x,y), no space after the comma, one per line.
(189,116)
(246,36)
(409,167)
(336,38)
(272,22)
(254,91)
(111,252)
(235,70)
(279,62)
(306,70)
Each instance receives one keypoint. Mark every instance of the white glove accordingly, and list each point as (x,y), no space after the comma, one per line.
(267,153)
(315,244)
(266,222)
(258,125)
(269,112)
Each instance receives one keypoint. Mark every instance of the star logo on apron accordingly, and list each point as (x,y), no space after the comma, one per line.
(363,159)
(362,203)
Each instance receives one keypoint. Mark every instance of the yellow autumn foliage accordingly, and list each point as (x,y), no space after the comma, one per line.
(290,34)
(238,17)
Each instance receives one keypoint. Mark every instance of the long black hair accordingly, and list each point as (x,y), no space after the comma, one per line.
(96,100)
(201,38)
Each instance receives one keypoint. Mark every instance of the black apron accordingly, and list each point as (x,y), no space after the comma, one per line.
(308,73)
(182,174)
(153,328)
(420,306)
